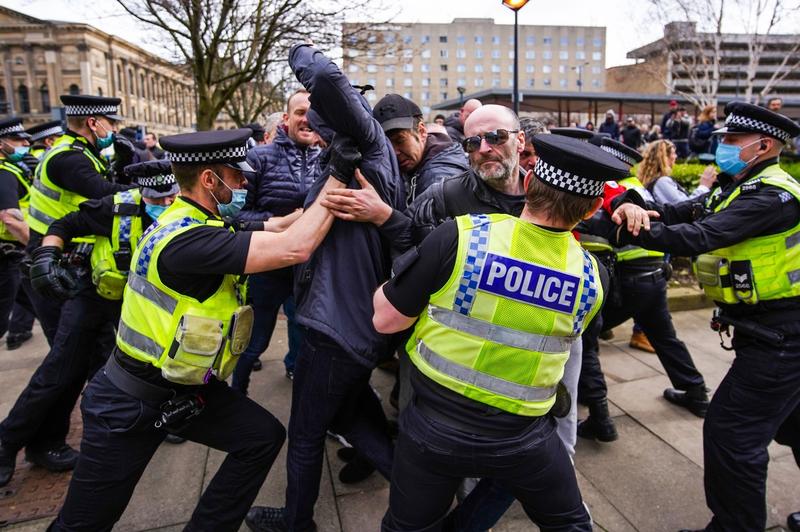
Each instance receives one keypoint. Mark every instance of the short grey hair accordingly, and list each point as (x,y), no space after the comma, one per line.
(531,127)
(273,121)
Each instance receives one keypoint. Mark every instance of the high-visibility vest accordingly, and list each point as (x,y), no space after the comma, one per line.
(628,253)
(500,330)
(762,268)
(190,340)
(8,166)
(49,202)
(111,257)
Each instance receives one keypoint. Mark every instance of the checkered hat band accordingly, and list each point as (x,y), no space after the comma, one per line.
(624,157)
(16,128)
(567,181)
(46,133)
(233,154)
(86,110)
(751,124)
(156,180)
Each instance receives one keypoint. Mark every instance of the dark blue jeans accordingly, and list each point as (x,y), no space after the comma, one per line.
(758,396)
(266,292)
(331,391)
(432,458)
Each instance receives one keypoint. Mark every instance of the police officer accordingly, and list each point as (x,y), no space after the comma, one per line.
(39,420)
(43,137)
(499,301)
(183,325)
(743,235)
(70,173)
(640,292)
(14,197)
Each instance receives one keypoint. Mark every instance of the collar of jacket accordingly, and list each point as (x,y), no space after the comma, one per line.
(727,182)
(90,145)
(282,139)
(483,191)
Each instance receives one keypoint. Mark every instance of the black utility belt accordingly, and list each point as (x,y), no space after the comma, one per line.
(439,417)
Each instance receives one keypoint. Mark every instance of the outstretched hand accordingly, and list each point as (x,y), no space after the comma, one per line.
(636,217)
(357,204)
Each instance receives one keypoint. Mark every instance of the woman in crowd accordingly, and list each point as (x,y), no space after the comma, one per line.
(655,174)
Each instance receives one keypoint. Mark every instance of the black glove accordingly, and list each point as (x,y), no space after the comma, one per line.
(344,158)
(49,277)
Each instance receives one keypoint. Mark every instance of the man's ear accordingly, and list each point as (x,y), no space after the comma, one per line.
(207,179)
(422,130)
(520,141)
(596,204)
(526,181)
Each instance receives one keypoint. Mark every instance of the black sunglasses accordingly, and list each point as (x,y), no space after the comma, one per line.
(493,138)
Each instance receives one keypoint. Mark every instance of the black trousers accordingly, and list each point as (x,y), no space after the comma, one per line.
(22,314)
(644,300)
(47,310)
(330,391)
(40,417)
(431,460)
(592,383)
(758,399)
(119,438)
(9,285)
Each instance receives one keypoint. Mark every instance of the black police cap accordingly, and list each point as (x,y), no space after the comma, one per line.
(257,129)
(575,166)
(86,105)
(12,127)
(48,129)
(227,147)
(574,132)
(155,178)
(396,112)
(743,117)
(622,152)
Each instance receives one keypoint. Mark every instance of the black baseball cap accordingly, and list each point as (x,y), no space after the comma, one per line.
(395,112)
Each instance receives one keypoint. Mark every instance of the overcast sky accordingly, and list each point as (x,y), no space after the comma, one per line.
(627,23)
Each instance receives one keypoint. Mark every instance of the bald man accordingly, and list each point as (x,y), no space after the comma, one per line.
(455,122)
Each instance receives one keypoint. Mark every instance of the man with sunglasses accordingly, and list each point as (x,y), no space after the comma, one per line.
(743,235)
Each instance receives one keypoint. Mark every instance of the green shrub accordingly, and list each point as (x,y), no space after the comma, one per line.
(688,174)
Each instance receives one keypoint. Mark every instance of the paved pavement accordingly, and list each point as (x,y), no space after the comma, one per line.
(649,480)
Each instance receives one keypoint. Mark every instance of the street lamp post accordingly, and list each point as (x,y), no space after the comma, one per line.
(461,91)
(579,70)
(515,6)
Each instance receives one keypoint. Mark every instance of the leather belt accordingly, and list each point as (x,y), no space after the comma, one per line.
(134,386)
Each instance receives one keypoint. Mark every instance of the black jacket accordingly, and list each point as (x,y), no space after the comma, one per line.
(442,158)
(454,128)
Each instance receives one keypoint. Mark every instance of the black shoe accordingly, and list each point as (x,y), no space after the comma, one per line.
(15,340)
(174,439)
(57,459)
(8,461)
(257,365)
(793,522)
(356,470)
(265,519)
(695,400)
(346,454)
(599,425)
(290,374)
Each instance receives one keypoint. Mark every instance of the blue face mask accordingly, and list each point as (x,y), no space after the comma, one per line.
(233,207)
(104,142)
(154,211)
(728,158)
(18,153)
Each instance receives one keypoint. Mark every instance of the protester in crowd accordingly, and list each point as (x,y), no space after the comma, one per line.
(775,104)
(654,134)
(531,127)
(678,127)
(589,126)
(701,139)
(455,122)
(655,171)
(609,125)
(631,135)
(151,144)
(439,119)
(259,135)
(673,110)
(274,121)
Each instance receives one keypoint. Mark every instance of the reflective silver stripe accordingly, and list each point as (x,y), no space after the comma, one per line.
(794,276)
(139,341)
(499,334)
(151,292)
(39,215)
(484,381)
(49,192)
(792,240)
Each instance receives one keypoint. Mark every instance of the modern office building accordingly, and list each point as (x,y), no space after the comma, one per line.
(42,59)
(429,63)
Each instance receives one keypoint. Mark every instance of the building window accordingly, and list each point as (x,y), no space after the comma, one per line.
(74,90)
(425,67)
(530,40)
(409,95)
(595,83)
(511,54)
(461,39)
(389,38)
(426,54)
(596,69)
(371,96)
(531,83)
(3,100)
(443,38)
(408,82)
(529,69)
(531,54)
(511,40)
(461,53)
(495,39)
(563,55)
(119,79)
(579,42)
(547,54)
(562,69)
(425,96)
(352,68)
(426,82)
(478,54)
(462,82)
(510,69)
(479,39)
(478,68)
(388,68)
(547,41)
(479,82)
(461,68)
(131,86)
(142,86)
(442,68)
(408,67)
(564,41)
(443,95)
(44,96)
(546,69)
(597,56)
(371,39)
(597,42)
(390,82)
(443,54)
(495,82)
(24,99)
(546,82)
(563,83)
(495,68)
(580,55)
(408,53)
(372,68)
(442,82)
(495,54)
(408,39)
(371,81)
(425,39)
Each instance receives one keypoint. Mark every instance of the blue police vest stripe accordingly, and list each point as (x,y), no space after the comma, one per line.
(476,255)
(126,221)
(588,294)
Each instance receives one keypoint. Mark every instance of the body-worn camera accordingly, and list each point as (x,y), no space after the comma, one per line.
(176,413)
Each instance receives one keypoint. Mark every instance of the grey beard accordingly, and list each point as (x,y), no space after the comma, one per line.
(502,175)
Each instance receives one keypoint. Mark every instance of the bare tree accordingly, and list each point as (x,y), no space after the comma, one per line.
(232,47)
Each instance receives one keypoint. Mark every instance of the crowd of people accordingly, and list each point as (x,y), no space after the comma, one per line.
(481,255)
